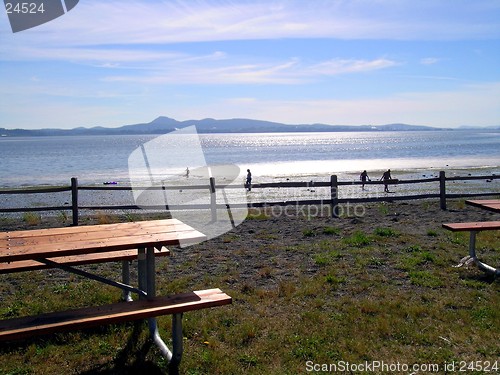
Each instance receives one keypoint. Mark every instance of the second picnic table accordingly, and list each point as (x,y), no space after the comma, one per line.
(476,227)
(487,204)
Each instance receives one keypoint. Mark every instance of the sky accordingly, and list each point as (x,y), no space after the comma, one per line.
(340,62)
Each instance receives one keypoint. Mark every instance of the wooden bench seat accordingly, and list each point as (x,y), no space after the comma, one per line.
(25,327)
(474,228)
(74,260)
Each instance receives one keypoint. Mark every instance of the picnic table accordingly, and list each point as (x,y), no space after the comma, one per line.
(69,246)
(487,204)
(474,228)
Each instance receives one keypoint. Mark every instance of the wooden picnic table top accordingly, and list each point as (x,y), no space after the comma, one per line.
(487,204)
(55,242)
(480,225)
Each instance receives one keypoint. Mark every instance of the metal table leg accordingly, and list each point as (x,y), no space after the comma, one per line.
(147,282)
(126,280)
(472,252)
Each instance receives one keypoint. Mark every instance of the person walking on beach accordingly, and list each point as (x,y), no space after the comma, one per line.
(248,182)
(386,177)
(363,177)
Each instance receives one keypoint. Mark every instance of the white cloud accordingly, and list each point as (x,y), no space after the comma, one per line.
(226,71)
(342,66)
(158,22)
(105,56)
(429,60)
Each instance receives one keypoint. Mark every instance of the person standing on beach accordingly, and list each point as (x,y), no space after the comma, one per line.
(363,177)
(386,177)
(248,182)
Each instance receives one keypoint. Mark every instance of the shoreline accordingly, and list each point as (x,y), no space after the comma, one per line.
(347,175)
(261,195)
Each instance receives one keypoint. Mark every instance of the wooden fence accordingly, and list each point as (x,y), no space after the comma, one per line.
(333,200)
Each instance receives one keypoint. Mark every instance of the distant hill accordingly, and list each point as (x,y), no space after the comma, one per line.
(162,125)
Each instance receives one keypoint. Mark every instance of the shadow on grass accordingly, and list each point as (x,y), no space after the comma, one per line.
(132,359)
(483,278)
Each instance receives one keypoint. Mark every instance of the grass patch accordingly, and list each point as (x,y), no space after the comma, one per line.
(62,216)
(326,258)
(131,217)
(32,218)
(386,232)
(104,218)
(308,233)
(257,215)
(413,249)
(383,208)
(485,317)
(432,233)
(417,259)
(331,231)
(425,279)
(358,238)
(332,279)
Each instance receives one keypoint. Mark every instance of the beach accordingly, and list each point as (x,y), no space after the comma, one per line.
(237,194)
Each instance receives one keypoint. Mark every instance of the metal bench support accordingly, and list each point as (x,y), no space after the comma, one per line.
(472,254)
(126,288)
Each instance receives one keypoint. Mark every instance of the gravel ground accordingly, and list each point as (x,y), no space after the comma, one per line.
(250,248)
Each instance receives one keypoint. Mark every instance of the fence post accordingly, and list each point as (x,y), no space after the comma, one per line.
(334,193)
(442,189)
(74,199)
(213,199)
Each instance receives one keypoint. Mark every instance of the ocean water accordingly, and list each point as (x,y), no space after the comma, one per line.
(35,161)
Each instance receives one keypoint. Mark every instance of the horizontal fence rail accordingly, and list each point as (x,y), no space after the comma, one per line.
(212,187)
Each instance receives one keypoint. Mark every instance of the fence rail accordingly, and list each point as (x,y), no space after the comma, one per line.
(212,187)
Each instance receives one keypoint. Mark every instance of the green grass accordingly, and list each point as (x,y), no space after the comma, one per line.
(383,208)
(308,233)
(331,231)
(358,238)
(386,232)
(255,214)
(32,218)
(432,233)
(425,279)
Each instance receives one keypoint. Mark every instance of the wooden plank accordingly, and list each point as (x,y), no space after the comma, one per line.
(478,226)
(90,228)
(25,327)
(111,243)
(89,235)
(75,260)
(48,243)
(482,201)
(36,191)
(35,209)
(487,204)
(102,236)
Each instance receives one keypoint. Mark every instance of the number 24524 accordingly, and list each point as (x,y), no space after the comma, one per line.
(24,8)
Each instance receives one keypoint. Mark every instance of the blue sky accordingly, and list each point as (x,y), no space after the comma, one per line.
(116,62)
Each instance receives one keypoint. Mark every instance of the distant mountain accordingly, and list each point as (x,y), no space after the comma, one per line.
(162,125)
(471,127)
